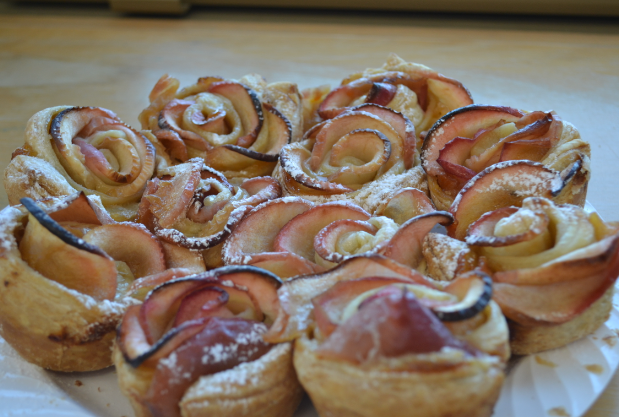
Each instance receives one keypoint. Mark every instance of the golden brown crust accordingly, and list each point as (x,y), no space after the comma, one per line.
(267,387)
(27,176)
(525,340)
(344,390)
(47,323)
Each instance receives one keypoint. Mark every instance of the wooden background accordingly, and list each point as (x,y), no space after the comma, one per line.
(89,56)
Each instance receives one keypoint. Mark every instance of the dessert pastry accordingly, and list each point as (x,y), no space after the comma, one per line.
(504,184)
(554,269)
(194,207)
(195,348)
(65,273)
(237,127)
(416,91)
(362,155)
(86,149)
(292,236)
(374,338)
(468,140)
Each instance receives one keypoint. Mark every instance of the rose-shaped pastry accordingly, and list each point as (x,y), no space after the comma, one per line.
(418,92)
(374,338)
(468,140)
(195,347)
(237,127)
(86,149)
(362,155)
(291,236)
(66,270)
(193,206)
(554,269)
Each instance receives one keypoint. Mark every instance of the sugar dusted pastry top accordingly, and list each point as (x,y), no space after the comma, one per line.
(238,127)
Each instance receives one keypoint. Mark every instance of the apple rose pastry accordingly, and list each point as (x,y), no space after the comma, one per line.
(374,338)
(554,269)
(66,270)
(195,348)
(237,127)
(292,236)
(362,155)
(86,149)
(420,93)
(468,140)
(193,207)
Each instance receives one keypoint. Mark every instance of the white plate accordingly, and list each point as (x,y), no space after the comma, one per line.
(561,382)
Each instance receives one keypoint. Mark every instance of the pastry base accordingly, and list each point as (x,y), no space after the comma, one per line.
(526,340)
(341,389)
(267,387)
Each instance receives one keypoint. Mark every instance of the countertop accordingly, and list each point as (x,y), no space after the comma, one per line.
(89,56)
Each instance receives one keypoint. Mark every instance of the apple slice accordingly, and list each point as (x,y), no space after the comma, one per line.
(389,327)
(402,125)
(360,155)
(295,318)
(405,246)
(340,126)
(293,158)
(381,94)
(501,185)
(283,264)
(481,232)
(330,305)
(339,98)
(405,204)
(78,208)
(221,344)
(452,157)
(142,286)
(474,292)
(132,244)
(248,106)
(297,236)
(62,257)
(257,232)
(326,241)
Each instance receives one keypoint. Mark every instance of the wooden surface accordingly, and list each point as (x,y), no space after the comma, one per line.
(92,57)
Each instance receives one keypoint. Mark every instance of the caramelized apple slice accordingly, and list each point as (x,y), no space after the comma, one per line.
(142,286)
(474,292)
(329,306)
(248,106)
(132,244)
(294,317)
(390,326)
(221,344)
(381,94)
(256,234)
(523,300)
(290,237)
(405,246)
(503,184)
(64,258)
(326,241)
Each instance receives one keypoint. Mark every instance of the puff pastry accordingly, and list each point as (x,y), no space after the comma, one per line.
(554,268)
(237,127)
(358,353)
(92,149)
(194,348)
(362,155)
(291,236)
(468,140)
(62,295)
(418,92)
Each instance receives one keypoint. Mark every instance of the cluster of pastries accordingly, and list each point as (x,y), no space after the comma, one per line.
(383,245)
